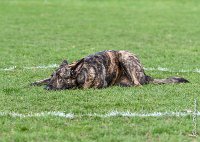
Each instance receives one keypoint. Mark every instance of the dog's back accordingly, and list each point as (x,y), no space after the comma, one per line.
(110,68)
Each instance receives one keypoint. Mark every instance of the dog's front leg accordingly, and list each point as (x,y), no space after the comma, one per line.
(41,82)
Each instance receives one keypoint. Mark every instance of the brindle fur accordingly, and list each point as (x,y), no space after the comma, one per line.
(101,70)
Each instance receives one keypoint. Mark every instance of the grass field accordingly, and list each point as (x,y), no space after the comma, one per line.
(44,32)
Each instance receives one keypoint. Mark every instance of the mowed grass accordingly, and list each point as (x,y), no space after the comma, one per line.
(44,32)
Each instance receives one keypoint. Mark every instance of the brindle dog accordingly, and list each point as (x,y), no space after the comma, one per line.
(101,70)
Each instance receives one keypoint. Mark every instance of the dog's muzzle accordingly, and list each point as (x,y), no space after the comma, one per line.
(48,87)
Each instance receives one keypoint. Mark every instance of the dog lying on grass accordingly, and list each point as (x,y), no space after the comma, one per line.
(101,70)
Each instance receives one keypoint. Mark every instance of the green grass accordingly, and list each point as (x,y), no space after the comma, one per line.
(38,32)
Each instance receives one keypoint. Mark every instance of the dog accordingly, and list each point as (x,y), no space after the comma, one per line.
(101,70)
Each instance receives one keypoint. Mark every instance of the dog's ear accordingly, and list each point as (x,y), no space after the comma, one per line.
(76,68)
(78,65)
(64,63)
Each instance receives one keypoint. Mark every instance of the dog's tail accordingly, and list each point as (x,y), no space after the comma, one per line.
(167,80)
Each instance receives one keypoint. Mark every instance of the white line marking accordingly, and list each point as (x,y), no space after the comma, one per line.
(41,114)
(8,69)
(109,114)
(42,67)
(170,70)
(148,69)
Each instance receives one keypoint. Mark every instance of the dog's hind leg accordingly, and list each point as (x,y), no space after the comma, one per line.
(124,81)
(132,68)
(41,82)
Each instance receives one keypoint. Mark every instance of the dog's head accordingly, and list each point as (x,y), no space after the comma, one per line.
(64,77)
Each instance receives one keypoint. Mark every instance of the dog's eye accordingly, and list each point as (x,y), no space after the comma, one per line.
(71,73)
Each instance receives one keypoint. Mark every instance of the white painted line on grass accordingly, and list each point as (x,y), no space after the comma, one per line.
(170,70)
(29,68)
(148,69)
(8,69)
(41,114)
(133,114)
(42,67)
(107,115)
